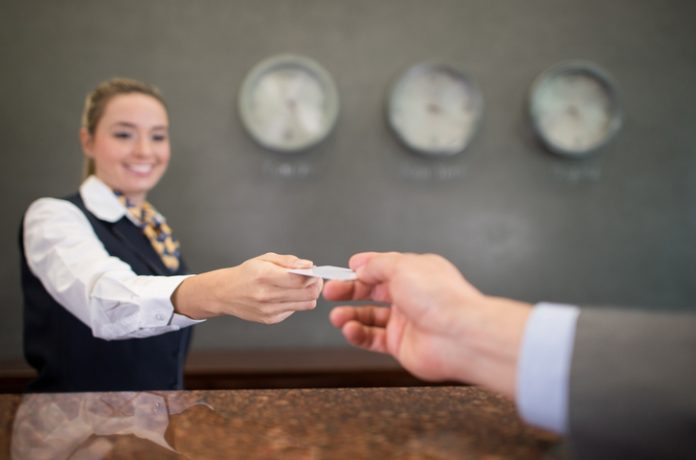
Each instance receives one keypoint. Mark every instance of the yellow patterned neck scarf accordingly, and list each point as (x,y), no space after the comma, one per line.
(156,230)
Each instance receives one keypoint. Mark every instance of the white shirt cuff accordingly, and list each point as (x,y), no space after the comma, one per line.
(544,366)
(163,311)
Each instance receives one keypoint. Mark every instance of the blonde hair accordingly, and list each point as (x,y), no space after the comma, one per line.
(97,100)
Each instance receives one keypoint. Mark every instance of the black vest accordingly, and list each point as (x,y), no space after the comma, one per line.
(63,350)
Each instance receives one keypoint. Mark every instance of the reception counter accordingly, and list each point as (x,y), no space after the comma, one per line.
(444,422)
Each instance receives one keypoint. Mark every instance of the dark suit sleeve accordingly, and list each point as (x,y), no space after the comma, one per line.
(633,385)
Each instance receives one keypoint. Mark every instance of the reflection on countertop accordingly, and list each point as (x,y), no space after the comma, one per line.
(83,425)
(395,423)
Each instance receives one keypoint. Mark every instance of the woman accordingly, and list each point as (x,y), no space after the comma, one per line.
(107,302)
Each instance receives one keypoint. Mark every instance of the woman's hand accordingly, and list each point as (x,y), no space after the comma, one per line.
(259,290)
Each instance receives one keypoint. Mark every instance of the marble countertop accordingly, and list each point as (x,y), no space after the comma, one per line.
(344,423)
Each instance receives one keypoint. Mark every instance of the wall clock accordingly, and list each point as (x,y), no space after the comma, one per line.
(288,103)
(574,108)
(435,109)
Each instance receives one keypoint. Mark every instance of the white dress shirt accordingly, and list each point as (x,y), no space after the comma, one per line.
(102,291)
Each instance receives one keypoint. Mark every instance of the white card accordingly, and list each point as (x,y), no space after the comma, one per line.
(328,272)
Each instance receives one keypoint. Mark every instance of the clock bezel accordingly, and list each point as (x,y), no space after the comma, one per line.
(573,67)
(303,63)
(473,90)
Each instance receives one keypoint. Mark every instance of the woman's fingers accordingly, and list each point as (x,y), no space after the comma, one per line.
(272,269)
(272,294)
(277,312)
(292,281)
(286,260)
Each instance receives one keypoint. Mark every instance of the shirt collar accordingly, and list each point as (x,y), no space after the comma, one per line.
(101,201)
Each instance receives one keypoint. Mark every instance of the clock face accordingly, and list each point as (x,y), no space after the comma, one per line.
(574,108)
(435,109)
(288,103)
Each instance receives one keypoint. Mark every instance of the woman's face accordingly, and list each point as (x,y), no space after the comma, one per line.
(130,146)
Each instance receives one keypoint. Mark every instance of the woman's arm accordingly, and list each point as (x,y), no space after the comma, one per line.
(104,293)
(259,290)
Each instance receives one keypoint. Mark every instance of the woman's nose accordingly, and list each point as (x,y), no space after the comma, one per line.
(143,147)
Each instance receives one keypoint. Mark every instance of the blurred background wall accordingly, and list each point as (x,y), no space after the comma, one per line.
(615,229)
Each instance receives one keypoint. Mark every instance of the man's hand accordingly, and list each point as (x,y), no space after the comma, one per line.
(435,323)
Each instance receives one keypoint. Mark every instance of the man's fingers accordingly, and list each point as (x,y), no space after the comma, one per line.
(375,268)
(340,316)
(369,338)
(358,260)
(339,290)
(367,315)
(349,290)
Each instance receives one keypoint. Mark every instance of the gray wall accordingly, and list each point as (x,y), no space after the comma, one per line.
(616,229)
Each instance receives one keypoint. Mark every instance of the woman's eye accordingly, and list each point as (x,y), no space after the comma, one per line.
(122,135)
(159,137)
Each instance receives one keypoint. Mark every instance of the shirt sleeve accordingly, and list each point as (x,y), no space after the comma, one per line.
(544,366)
(102,291)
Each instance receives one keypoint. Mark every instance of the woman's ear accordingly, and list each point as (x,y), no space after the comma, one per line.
(86,142)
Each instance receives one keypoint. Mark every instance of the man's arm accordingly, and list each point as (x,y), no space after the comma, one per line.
(633,385)
(632,374)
